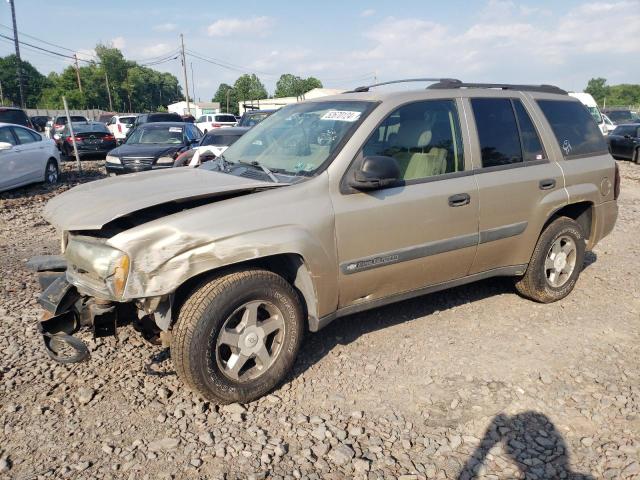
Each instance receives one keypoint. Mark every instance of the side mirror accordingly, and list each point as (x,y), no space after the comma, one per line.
(375,172)
(5,146)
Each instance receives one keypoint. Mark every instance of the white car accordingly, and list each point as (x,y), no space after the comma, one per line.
(218,120)
(608,125)
(119,125)
(26,157)
(211,146)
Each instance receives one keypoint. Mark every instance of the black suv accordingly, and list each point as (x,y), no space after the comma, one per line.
(624,142)
(15,116)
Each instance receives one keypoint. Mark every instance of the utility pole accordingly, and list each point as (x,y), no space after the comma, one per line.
(75,58)
(184,68)
(106,79)
(227,110)
(15,41)
(193,84)
(1,95)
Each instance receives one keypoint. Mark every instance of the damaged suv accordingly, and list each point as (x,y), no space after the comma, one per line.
(326,208)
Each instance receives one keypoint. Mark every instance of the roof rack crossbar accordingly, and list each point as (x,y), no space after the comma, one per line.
(365,88)
(452,83)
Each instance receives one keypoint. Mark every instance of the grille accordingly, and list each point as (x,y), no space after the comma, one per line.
(137,162)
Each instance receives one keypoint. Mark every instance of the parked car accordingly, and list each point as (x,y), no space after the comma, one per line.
(92,138)
(218,120)
(621,116)
(119,125)
(210,147)
(156,117)
(106,117)
(329,207)
(59,123)
(608,124)
(15,116)
(253,117)
(39,122)
(624,142)
(26,157)
(152,146)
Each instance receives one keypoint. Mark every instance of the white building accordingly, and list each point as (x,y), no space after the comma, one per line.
(197,108)
(276,103)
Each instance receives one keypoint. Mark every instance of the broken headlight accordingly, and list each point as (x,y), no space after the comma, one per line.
(95,266)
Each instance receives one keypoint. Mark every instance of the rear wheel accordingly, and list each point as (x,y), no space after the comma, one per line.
(51,172)
(556,262)
(238,335)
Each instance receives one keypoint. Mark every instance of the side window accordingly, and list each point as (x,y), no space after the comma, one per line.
(36,136)
(423,137)
(24,136)
(497,131)
(189,133)
(531,145)
(574,128)
(6,136)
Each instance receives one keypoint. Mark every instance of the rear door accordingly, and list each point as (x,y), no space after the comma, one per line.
(518,183)
(622,141)
(32,153)
(11,172)
(422,231)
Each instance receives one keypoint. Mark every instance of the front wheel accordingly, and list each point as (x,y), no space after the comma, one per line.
(238,335)
(51,172)
(556,262)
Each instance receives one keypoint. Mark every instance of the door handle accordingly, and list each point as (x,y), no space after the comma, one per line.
(459,199)
(547,184)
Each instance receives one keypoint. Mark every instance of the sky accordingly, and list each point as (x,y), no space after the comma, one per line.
(347,43)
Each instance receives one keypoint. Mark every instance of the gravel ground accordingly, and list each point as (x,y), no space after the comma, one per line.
(471,381)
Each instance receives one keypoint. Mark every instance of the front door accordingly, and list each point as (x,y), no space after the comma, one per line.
(12,172)
(420,232)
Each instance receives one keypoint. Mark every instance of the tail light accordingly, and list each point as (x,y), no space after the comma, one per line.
(57,126)
(616,184)
(70,139)
(119,128)
(109,137)
(215,125)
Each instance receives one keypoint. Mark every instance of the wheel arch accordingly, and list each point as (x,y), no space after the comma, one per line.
(291,266)
(582,212)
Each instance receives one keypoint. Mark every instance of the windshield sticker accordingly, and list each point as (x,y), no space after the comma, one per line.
(175,129)
(566,146)
(341,115)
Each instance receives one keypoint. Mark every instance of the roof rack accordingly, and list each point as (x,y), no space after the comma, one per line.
(453,83)
(365,88)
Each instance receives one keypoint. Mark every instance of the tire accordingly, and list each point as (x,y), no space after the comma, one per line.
(199,349)
(51,172)
(539,282)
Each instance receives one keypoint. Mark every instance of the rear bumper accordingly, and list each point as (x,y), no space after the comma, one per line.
(605,216)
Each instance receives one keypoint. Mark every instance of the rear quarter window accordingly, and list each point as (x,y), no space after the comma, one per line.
(574,128)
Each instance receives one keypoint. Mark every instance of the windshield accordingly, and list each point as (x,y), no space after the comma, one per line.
(251,119)
(620,116)
(225,118)
(595,113)
(299,138)
(219,139)
(156,134)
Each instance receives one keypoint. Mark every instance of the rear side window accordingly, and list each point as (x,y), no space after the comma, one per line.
(225,118)
(497,131)
(574,128)
(531,145)
(14,116)
(24,135)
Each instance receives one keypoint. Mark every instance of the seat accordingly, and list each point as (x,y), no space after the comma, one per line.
(416,156)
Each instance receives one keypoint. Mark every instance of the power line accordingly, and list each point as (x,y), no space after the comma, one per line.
(159,57)
(45,50)
(227,65)
(49,43)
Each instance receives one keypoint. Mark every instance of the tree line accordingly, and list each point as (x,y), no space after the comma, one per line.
(249,87)
(613,95)
(133,87)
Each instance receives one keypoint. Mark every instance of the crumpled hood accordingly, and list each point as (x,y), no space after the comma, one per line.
(91,205)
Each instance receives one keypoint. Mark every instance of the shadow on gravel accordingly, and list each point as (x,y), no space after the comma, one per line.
(533,444)
(345,330)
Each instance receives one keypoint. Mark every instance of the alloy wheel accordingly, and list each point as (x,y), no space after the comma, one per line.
(561,261)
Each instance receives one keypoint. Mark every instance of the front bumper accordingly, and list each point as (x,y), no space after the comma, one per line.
(66,311)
